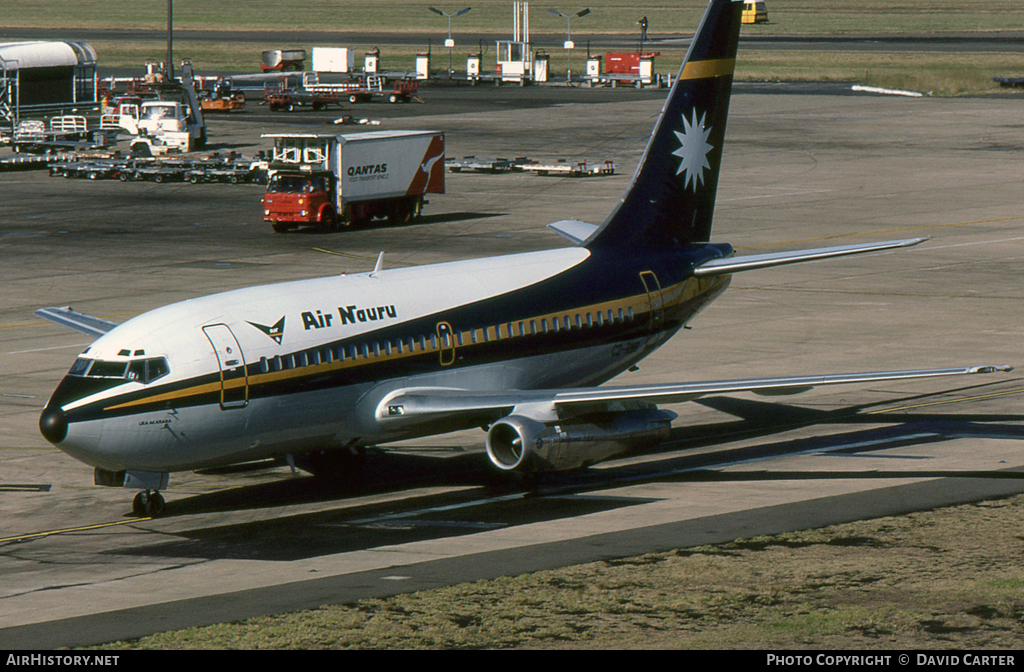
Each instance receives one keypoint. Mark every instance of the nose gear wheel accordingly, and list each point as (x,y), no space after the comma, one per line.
(148,504)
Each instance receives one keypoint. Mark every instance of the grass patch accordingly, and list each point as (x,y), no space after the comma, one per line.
(495,16)
(940,73)
(948,578)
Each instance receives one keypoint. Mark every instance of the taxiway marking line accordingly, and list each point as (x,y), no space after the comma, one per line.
(946,401)
(39,535)
(359,257)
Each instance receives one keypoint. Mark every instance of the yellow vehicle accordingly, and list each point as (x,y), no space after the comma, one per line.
(754,12)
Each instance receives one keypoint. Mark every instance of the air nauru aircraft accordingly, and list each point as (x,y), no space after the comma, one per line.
(319,369)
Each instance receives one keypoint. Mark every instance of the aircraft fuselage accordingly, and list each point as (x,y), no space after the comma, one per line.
(303,365)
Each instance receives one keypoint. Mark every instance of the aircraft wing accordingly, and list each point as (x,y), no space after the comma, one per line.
(66,317)
(414,406)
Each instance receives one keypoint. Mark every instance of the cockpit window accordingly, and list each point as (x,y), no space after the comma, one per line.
(148,370)
(80,366)
(140,370)
(156,368)
(101,369)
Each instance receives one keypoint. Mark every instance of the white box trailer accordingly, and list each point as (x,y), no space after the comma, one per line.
(333,59)
(324,180)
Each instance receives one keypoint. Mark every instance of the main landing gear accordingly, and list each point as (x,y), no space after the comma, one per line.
(148,504)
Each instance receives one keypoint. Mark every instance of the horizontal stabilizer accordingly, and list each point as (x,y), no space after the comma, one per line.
(755,261)
(66,317)
(574,229)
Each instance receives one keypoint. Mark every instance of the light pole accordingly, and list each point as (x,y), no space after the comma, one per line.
(569,46)
(450,43)
(170,40)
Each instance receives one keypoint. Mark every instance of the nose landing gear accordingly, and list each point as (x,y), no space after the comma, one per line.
(149,504)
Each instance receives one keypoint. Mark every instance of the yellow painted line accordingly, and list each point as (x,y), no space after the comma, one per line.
(712,68)
(84,528)
(343,254)
(361,257)
(947,401)
(30,324)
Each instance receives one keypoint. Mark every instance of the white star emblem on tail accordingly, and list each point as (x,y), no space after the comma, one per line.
(693,152)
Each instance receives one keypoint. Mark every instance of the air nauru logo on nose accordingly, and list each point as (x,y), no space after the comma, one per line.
(693,152)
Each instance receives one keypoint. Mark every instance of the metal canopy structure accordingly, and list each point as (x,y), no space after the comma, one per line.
(39,77)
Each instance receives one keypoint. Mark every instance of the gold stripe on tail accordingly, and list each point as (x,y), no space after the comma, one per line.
(705,69)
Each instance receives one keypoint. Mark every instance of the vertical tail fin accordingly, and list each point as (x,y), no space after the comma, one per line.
(671,200)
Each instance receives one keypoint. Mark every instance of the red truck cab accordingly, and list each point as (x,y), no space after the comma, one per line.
(299,199)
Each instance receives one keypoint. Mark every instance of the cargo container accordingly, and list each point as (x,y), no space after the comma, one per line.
(333,59)
(641,66)
(327,181)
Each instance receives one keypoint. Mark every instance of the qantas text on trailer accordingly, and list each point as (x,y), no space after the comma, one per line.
(319,369)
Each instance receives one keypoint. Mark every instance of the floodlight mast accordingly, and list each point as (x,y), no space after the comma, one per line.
(569,45)
(450,43)
(170,40)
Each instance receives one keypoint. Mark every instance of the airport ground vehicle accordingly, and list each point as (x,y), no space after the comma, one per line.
(283,59)
(755,12)
(66,133)
(325,180)
(195,169)
(290,100)
(318,93)
(218,102)
(362,90)
(172,122)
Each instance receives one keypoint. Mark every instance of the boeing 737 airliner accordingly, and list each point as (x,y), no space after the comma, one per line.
(516,344)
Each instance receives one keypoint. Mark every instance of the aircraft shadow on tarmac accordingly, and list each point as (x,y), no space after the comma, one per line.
(901,428)
(362,527)
(498,501)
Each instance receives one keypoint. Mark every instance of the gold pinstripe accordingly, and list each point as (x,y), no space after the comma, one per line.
(712,68)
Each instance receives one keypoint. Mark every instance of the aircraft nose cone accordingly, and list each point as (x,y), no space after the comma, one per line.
(53,424)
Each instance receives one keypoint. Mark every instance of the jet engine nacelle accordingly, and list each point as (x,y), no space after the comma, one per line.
(523,444)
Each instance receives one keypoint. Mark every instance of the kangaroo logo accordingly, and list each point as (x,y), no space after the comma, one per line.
(429,174)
